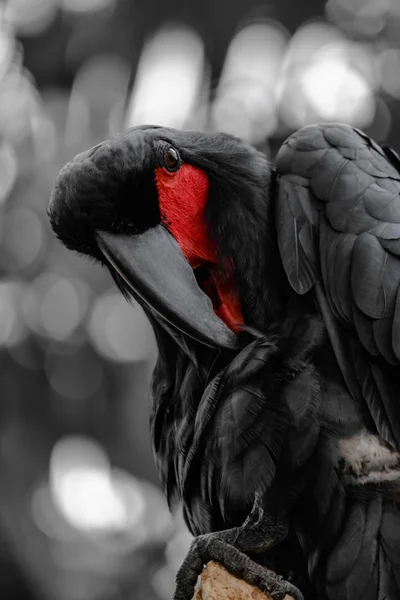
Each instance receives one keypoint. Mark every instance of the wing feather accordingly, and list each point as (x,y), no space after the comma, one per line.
(338,225)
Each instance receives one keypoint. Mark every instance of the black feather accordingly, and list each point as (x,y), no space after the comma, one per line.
(315,248)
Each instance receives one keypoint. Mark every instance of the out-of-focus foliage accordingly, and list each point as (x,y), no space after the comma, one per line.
(80,513)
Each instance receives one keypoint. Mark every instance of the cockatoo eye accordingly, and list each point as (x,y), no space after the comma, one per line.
(172,160)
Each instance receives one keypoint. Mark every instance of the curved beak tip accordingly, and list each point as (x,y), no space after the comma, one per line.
(154,266)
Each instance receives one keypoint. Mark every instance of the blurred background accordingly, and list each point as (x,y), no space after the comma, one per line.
(81,513)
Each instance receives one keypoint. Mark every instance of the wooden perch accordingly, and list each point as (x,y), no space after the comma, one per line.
(218,584)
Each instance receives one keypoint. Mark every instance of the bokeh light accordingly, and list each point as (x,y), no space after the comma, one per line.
(86,6)
(94,497)
(47,517)
(8,169)
(63,306)
(366,18)
(81,485)
(246,97)
(23,239)
(120,331)
(7,48)
(30,17)
(168,73)
(17,102)
(326,78)
(13,329)
(336,90)
(55,305)
(389,60)
(97,97)
(80,481)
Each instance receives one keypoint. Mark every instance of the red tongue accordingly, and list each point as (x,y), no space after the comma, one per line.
(233,321)
(225,302)
(230,311)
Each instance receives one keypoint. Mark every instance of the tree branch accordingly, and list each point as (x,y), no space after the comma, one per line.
(218,584)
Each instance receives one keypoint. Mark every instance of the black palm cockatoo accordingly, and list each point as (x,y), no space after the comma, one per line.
(273,294)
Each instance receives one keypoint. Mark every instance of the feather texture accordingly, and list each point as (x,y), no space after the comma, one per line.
(338,225)
(354,194)
(305,410)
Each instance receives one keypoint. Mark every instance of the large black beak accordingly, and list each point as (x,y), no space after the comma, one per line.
(154,266)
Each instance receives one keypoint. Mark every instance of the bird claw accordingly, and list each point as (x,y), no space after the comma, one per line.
(230,547)
(212,547)
(282,589)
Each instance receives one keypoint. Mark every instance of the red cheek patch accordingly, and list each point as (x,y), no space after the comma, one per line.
(182,198)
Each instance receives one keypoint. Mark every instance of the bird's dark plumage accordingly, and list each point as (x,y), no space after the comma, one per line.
(303,410)
(338,223)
